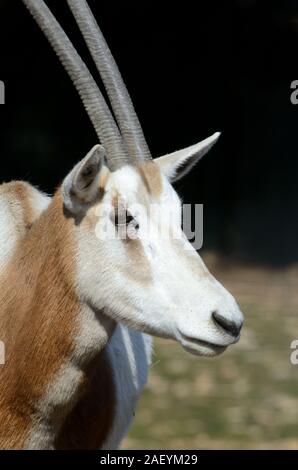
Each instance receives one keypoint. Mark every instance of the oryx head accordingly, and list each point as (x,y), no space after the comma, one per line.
(121,199)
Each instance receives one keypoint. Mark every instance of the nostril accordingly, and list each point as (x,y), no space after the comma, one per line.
(228,325)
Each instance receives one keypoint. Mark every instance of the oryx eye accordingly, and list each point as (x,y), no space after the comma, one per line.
(123,218)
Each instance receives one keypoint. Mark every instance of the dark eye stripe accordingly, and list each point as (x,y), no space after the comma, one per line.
(123,219)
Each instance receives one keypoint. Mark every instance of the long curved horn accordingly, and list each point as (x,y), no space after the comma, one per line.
(87,88)
(127,119)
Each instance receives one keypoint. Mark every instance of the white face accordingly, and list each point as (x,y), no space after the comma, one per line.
(150,281)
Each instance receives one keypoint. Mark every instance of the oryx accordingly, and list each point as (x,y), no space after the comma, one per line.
(77,306)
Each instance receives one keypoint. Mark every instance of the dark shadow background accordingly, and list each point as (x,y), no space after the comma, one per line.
(192,68)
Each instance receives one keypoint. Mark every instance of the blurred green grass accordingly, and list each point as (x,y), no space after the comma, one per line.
(245,398)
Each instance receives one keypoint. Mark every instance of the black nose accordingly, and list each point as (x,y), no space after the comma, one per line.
(228,325)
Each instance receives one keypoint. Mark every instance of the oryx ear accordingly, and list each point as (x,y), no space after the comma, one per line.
(177,164)
(80,186)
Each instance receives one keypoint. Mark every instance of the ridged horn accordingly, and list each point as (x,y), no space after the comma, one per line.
(94,102)
(122,106)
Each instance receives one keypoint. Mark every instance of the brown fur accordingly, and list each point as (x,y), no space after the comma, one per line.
(151,177)
(38,324)
(38,311)
(23,192)
(140,273)
(19,195)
